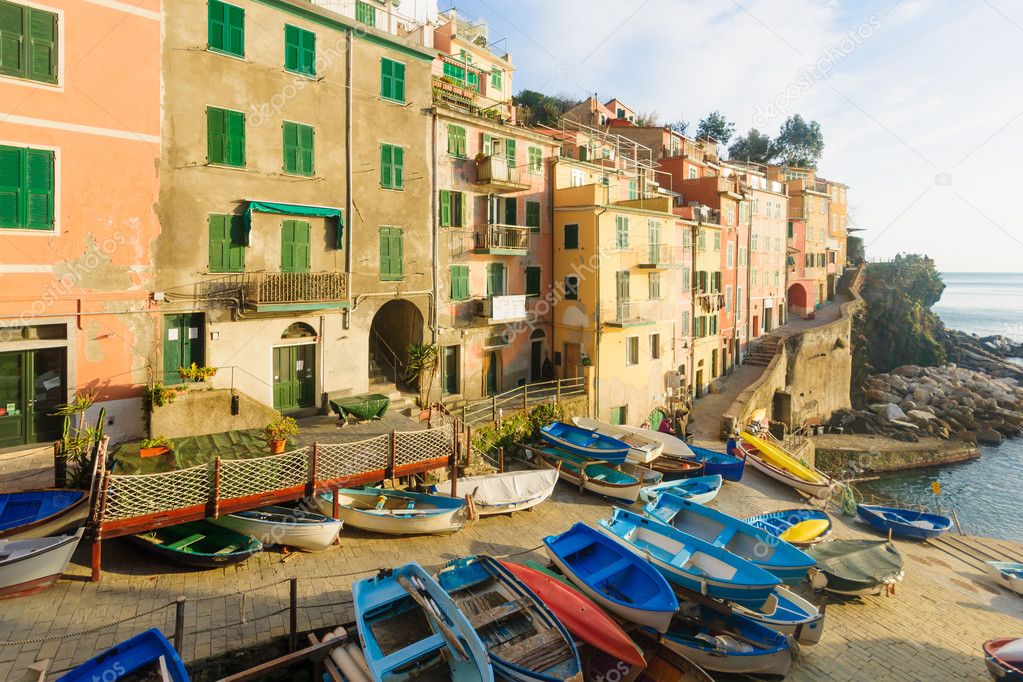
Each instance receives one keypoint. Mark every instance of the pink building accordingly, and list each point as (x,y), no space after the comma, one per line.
(79,146)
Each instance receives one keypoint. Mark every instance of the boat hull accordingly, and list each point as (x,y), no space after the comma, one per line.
(246,547)
(396,522)
(627,492)
(701,490)
(128,657)
(585,443)
(310,537)
(728,467)
(38,568)
(676,468)
(488,502)
(1001,669)
(65,519)
(816,490)
(997,570)
(792,615)
(643,449)
(771,664)
(856,568)
(901,522)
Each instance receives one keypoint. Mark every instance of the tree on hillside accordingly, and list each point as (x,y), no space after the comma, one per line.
(800,143)
(680,126)
(540,109)
(648,118)
(754,146)
(715,127)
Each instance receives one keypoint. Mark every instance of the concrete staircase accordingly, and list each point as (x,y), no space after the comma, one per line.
(764,350)
(380,382)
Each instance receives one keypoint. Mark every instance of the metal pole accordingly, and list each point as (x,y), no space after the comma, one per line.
(179,624)
(293,612)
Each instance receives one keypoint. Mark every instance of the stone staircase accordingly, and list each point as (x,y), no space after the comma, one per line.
(764,350)
(380,382)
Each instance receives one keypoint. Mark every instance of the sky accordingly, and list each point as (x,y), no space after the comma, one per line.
(920,101)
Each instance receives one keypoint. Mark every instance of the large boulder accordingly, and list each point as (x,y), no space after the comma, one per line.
(989,437)
(889,411)
(880,397)
(919,416)
(921,395)
(908,371)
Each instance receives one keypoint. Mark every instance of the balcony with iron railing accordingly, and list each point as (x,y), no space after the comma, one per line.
(500,309)
(502,240)
(287,291)
(628,312)
(655,256)
(497,173)
(702,214)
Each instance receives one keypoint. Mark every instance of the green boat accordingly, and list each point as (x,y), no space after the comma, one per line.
(199,544)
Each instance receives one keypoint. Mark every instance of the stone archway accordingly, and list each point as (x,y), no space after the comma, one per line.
(397,325)
(800,299)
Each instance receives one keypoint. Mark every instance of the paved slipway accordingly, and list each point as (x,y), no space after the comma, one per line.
(931,629)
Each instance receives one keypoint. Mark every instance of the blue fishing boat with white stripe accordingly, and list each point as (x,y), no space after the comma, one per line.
(730,468)
(34,514)
(788,613)
(690,562)
(613,576)
(148,655)
(411,629)
(799,527)
(721,530)
(904,523)
(728,643)
(702,489)
(585,443)
(525,640)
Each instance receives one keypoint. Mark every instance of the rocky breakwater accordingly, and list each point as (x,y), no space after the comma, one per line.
(948,402)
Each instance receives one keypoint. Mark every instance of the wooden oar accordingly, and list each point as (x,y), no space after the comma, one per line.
(449,635)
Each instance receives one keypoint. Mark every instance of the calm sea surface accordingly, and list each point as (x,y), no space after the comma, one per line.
(985,492)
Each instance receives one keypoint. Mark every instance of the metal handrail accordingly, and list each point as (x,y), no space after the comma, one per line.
(521,397)
(394,361)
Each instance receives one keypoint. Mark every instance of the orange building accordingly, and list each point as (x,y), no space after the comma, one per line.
(79,149)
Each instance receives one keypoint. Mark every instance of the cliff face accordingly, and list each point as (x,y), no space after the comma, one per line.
(897,326)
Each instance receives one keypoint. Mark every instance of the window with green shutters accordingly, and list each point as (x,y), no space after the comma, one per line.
(633,190)
(299,50)
(654,286)
(27,188)
(225,137)
(227,243)
(533,280)
(533,215)
(449,370)
(510,152)
(392,251)
(454,71)
(571,236)
(511,211)
(459,282)
(535,160)
(622,232)
(456,141)
(28,43)
(226,28)
(618,415)
(299,149)
(366,13)
(496,78)
(453,209)
(392,80)
(392,166)
(495,279)
(295,246)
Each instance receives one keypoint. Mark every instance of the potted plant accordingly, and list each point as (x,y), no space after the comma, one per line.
(196,373)
(154,447)
(277,433)
(421,369)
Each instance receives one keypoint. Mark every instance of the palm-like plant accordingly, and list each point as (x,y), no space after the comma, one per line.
(421,368)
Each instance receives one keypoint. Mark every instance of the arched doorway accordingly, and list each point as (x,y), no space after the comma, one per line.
(396,326)
(294,368)
(799,297)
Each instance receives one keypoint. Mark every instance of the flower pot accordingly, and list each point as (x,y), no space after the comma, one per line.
(277,446)
(154,452)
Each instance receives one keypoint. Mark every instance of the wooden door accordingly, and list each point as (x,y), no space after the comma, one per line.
(572,361)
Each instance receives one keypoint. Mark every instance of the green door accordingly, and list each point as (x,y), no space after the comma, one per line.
(294,384)
(182,344)
(492,363)
(33,385)
(536,360)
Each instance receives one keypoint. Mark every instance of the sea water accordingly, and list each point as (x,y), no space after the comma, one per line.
(985,492)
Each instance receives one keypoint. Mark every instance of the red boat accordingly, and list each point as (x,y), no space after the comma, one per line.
(579,615)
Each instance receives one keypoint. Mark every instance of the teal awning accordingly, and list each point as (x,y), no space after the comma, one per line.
(296,210)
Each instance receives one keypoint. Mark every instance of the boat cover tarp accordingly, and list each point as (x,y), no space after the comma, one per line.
(192,451)
(506,488)
(362,407)
(861,561)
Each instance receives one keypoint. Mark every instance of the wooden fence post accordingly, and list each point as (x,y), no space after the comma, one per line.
(557,393)
(59,467)
(97,526)
(179,624)
(314,470)
(454,476)
(392,454)
(293,613)
(216,488)
(336,506)
(525,396)
(493,409)
(500,459)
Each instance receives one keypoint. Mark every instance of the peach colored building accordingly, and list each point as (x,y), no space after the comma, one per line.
(80,116)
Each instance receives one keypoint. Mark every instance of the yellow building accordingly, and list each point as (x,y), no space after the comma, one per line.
(619,264)
(708,348)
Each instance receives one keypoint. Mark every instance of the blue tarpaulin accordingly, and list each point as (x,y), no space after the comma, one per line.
(295,210)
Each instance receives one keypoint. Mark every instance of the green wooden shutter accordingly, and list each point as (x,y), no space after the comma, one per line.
(292,48)
(216,137)
(463,217)
(453,140)
(290,147)
(11,175)
(571,236)
(391,253)
(622,285)
(387,78)
(39,186)
(11,37)
(445,208)
(235,30)
(495,279)
(488,144)
(510,148)
(511,211)
(42,48)
(399,82)
(399,168)
(533,214)
(459,282)
(308,53)
(226,28)
(306,145)
(533,281)
(295,246)
(386,164)
(226,243)
(235,121)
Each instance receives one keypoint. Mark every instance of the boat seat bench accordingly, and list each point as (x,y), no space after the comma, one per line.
(185,542)
(609,570)
(413,652)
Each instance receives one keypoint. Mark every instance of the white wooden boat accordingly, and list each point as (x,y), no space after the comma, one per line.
(1007,574)
(647,476)
(670,445)
(600,478)
(701,489)
(282,526)
(788,613)
(396,512)
(814,483)
(505,493)
(30,566)
(643,449)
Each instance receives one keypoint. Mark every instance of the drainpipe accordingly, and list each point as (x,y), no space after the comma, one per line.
(600,325)
(551,173)
(435,228)
(349,160)
(695,229)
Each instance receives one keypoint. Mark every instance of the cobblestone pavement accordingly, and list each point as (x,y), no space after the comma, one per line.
(931,629)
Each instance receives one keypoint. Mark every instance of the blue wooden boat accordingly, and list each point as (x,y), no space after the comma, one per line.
(613,576)
(147,655)
(597,477)
(730,468)
(728,643)
(199,544)
(702,489)
(789,614)
(526,642)
(41,513)
(690,562)
(585,443)
(411,629)
(800,527)
(904,523)
(721,530)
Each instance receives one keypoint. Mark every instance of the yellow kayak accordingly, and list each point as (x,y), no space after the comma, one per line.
(777,457)
(806,531)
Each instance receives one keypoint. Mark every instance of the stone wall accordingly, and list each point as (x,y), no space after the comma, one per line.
(809,377)
(199,413)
